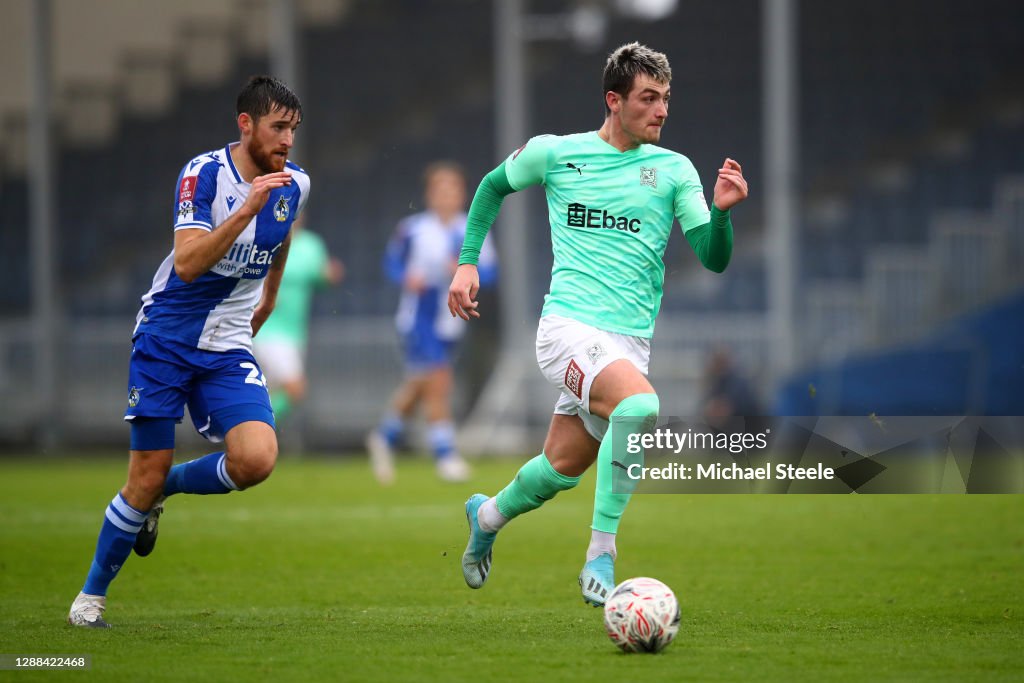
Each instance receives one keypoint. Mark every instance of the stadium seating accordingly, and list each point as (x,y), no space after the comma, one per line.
(912,146)
(373,135)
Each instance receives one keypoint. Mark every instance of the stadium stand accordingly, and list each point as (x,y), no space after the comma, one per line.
(912,150)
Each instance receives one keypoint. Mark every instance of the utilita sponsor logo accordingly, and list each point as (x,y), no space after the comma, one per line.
(249,255)
(581,216)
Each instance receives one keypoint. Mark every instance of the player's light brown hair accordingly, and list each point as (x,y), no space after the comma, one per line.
(628,61)
(441,166)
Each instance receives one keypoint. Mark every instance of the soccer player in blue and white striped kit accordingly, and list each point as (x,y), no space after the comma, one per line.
(421,257)
(192,344)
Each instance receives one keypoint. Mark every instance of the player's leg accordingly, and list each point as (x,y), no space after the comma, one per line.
(622,395)
(383,440)
(295,390)
(387,436)
(603,375)
(291,387)
(568,451)
(229,403)
(282,362)
(124,518)
(251,453)
(157,391)
(437,406)
(248,459)
(206,475)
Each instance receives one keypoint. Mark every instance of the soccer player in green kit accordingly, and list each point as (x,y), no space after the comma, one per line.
(280,348)
(612,196)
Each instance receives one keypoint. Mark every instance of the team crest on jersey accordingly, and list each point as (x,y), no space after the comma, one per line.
(649,177)
(594,352)
(281,210)
(133,396)
(185,210)
(702,198)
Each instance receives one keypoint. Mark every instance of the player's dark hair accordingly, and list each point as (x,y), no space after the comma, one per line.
(264,94)
(627,62)
(436,167)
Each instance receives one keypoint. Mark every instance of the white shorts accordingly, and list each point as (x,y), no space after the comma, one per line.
(281,361)
(571,354)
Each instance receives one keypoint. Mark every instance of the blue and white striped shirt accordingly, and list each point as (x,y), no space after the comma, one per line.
(214,311)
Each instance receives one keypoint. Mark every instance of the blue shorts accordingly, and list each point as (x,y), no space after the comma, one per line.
(424,350)
(221,388)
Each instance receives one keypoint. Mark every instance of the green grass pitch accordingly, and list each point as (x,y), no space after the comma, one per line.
(319,574)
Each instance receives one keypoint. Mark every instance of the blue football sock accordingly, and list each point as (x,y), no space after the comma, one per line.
(392,428)
(117,536)
(441,436)
(203,476)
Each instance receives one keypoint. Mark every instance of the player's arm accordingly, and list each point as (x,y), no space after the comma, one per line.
(396,253)
(482,213)
(488,264)
(712,241)
(400,259)
(524,167)
(270,286)
(197,250)
(331,270)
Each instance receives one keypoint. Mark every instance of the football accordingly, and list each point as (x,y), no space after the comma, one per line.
(642,615)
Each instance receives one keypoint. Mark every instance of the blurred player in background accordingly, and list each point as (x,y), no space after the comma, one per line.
(283,340)
(192,343)
(727,391)
(612,195)
(422,257)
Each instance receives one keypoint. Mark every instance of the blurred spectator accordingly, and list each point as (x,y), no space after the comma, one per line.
(727,392)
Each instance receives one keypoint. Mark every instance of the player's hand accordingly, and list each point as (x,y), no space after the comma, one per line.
(335,271)
(731,187)
(414,282)
(462,293)
(259,316)
(261,187)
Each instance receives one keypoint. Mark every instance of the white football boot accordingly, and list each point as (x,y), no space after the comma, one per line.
(87,611)
(382,460)
(453,469)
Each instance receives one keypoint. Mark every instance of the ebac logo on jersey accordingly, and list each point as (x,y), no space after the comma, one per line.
(581,216)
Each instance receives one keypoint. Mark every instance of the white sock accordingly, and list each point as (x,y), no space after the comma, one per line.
(489,518)
(600,542)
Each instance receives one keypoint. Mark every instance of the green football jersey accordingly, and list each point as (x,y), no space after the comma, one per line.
(611,214)
(304,271)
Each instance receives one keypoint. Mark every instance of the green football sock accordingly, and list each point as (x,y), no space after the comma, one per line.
(281,403)
(536,482)
(639,412)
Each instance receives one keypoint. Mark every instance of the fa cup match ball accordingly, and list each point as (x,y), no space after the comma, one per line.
(642,615)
